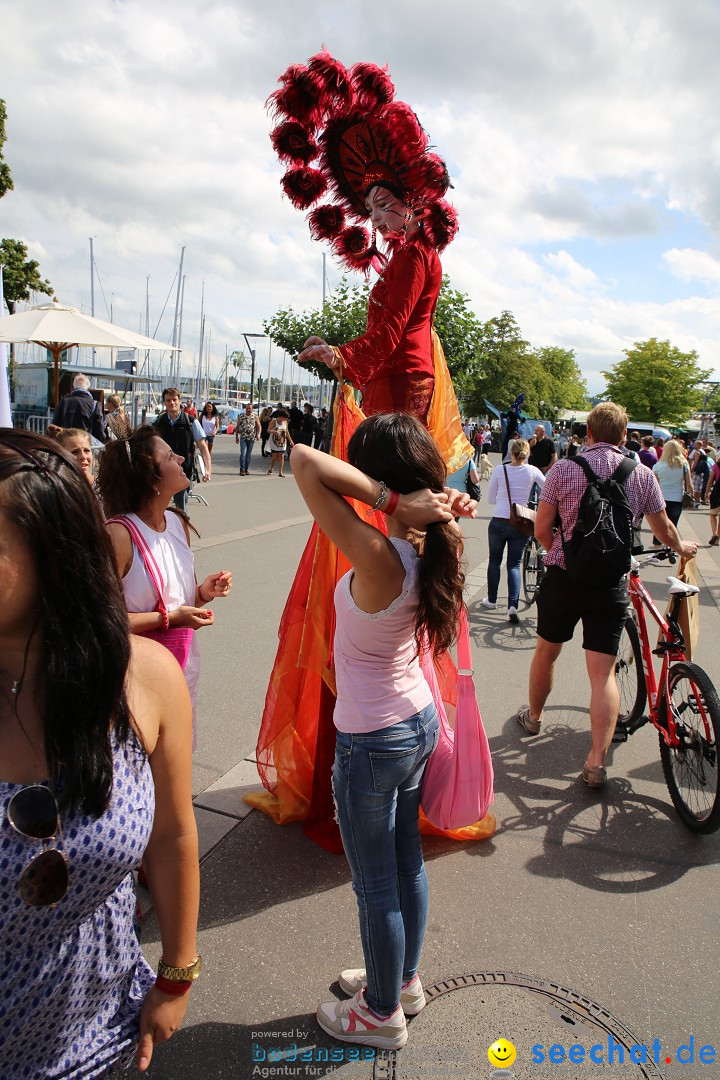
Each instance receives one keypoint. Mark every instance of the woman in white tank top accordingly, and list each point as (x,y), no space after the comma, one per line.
(403,588)
(137,478)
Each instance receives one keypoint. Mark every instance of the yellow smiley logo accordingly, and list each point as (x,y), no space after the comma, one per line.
(501,1054)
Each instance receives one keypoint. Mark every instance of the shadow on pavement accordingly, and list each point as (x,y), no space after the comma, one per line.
(615,840)
(235,1051)
(260,865)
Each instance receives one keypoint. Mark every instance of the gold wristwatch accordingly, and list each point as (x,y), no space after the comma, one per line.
(180,974)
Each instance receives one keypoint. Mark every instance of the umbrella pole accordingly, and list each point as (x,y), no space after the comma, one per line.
(56,359)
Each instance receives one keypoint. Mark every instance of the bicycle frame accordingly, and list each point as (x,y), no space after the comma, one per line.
(672,649)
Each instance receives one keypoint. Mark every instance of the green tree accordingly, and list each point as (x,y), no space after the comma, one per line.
(20,274)
(501,367)
(459,330)
(20,279)
(562,383)
(505,365)
(6,182)
(657,382)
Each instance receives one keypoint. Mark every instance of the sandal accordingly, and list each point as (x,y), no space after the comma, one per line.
(528,722)
(595,776)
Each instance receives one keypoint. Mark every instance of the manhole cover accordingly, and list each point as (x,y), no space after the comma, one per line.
(451,1036)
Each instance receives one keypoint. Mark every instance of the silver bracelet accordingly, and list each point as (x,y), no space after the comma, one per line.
(382,497)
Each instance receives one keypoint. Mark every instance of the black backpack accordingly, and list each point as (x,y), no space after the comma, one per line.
(597,555)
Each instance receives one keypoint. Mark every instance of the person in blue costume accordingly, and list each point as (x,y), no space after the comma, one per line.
(95,775)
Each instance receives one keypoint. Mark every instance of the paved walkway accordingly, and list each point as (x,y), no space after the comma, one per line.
(604,900)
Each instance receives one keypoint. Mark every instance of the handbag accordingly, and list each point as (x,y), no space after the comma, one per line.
(457,786)
(689,610)
(473,489)
(522,517)
(687,501)
(177,639)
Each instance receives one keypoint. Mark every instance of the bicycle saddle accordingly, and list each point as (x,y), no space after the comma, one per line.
(680,588)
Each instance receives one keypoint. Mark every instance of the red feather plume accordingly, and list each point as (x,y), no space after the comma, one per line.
(440,224)
(353,247)
(332,77)
(303,186)
(404,128)
(428,177)
(326,222)
(293,143)
(372,85)
(299,97)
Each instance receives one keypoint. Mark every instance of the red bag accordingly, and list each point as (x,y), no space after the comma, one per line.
(457,787)
(177,639)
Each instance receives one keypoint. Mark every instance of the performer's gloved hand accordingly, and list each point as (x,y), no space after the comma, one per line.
(317,349)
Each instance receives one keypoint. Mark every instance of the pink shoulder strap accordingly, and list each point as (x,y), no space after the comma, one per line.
(151,566)
(464,655)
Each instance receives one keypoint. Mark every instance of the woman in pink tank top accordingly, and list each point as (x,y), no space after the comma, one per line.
(403,589)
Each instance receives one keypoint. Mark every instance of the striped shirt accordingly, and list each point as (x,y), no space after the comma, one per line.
(565,485)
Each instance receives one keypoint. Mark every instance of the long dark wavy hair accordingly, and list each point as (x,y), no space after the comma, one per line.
(128,473)
(397,449)
(81,617)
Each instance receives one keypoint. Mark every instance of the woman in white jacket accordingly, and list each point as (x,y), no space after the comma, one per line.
(519,478)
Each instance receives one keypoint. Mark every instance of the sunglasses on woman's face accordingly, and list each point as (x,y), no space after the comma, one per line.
(33,813)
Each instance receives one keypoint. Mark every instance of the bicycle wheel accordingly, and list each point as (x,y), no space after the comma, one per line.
(532,570)
(691,768)
(629,674)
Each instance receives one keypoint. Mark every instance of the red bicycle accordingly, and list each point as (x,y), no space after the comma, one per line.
(682,703)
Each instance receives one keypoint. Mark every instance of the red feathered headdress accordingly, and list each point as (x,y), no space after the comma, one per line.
(348,120)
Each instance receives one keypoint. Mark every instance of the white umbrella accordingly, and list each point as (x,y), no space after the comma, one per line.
(57,327)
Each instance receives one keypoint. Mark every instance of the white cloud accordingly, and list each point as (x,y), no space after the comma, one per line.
(567,121)
(687,264)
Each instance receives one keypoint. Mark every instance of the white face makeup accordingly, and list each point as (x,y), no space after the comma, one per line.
(388,214)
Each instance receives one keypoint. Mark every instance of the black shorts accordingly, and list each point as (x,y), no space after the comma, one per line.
(561,606)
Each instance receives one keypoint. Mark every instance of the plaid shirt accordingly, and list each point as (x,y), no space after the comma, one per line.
(565,485)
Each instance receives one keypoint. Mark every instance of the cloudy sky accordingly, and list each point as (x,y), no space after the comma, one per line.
(581,138)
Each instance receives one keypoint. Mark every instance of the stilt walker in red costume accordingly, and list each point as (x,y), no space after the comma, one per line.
(347,140)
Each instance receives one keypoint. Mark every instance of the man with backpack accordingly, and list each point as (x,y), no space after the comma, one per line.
(596,495)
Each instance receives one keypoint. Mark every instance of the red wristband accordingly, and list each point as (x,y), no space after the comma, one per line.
(393,500)
(165,618)
(169,986)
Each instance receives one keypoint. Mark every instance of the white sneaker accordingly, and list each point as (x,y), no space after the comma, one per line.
(412,996)
(488,604)
(513,615)
(352,1021)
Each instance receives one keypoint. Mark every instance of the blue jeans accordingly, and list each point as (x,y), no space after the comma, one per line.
(674,511)
(501,533)
(377,777)
(246,449)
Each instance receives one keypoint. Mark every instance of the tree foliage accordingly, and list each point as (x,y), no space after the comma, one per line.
(657,382)
(459,330)
(21,275)
(6,182)
(505,365)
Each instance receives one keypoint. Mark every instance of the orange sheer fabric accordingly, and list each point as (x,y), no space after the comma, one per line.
(296,742)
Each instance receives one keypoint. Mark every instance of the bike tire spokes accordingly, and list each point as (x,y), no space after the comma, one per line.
(690,752)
